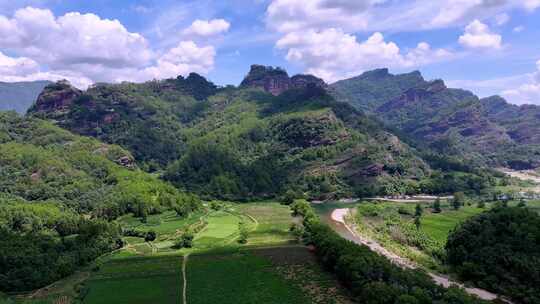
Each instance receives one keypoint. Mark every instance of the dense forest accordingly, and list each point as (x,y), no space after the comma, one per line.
(58,193)
(500,250)
(243,143)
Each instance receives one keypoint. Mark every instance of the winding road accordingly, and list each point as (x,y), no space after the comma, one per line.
(184,278)
(342,228)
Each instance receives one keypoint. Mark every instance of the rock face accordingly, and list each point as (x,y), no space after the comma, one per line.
(56,97)
(276,80)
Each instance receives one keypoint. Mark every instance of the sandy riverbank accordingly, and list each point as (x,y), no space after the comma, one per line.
(339,215)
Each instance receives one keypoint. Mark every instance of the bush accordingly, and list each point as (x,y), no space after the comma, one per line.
(185,240)
(150,236)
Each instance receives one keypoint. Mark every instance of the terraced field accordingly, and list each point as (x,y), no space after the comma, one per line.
(273,221)
(218,270)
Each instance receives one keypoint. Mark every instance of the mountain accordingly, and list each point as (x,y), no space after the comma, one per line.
(272,135)
(276,80)
(455,122)
(19,96)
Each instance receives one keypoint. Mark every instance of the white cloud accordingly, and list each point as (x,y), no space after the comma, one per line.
(531,5)
(519,29)
(25,69)
(10,66)
(478,35)
(85,48)
(186,57)
(295,15)
(528,93)
(72,39)
(502,19)
(208,27)
(332,54)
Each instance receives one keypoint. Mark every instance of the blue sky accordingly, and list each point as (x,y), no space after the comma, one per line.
(487,46)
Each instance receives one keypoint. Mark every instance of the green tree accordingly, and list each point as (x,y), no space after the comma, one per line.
(185,240)
(417,222)
(481,204)
(418,211)
(150,236)
(459,200)
(243,230)
(437,206)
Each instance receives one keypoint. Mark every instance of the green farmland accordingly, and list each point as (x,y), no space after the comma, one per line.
(135,280)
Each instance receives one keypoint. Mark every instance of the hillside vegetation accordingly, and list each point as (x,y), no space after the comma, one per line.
(449,121)
(57,191)
(272,136)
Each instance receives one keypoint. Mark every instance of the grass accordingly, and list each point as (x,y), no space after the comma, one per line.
(439,225)
(222,228)
(273,222)
(135,280)
(391,224)
(254,276)
(163,224)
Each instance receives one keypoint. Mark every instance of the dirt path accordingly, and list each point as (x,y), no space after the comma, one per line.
(525,175)
(338,215)
(184,278)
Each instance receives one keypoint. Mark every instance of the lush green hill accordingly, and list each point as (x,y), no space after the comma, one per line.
(240,142)
(57,190)
(449,121)
(19,96)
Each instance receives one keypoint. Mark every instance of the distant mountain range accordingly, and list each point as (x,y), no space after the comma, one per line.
(488,131)
(377,133)
(19,96)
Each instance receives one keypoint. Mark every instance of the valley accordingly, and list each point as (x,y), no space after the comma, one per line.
(181,191)
(269,152)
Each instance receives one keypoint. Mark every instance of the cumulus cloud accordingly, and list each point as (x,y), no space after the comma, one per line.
(295,15)
(528,93)
(10,66)
(332,54)
(186,57)
(478,35)
(84,48)
(72,39)
(208,27)
(15,69)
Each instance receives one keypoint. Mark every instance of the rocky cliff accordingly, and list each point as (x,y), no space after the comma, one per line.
(277,80)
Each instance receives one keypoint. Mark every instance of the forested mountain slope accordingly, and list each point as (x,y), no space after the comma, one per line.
(450,121)
(57,190)
(19,96)
(271,135)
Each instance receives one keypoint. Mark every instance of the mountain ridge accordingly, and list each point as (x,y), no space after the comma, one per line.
(19,96)
(488,131)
